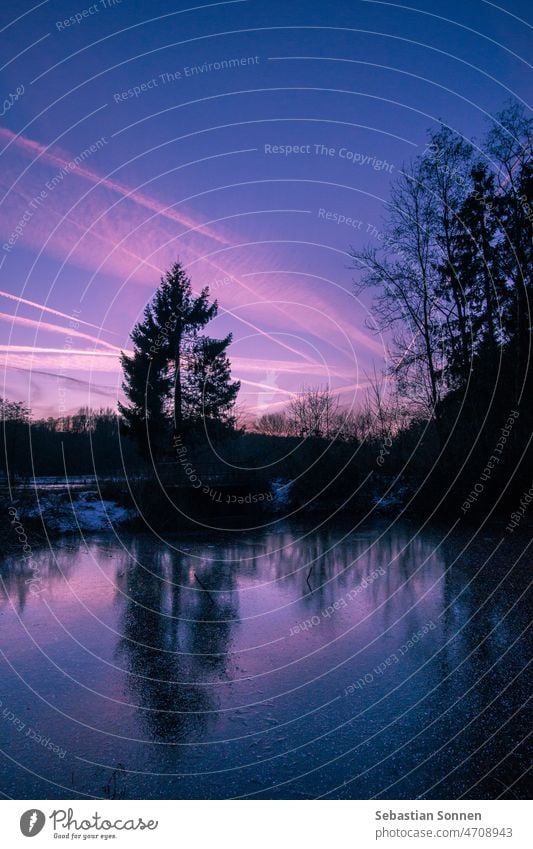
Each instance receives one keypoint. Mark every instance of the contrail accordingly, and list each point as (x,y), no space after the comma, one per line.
(265,386)
(30,349)
(96,388)
(55,328)
(52,311)
(36,149)
(33,148)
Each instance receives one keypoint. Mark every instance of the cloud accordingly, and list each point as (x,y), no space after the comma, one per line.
(55,328)
(94,388)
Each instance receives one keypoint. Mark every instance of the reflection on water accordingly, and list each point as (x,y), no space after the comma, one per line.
(287,663)
(172,640)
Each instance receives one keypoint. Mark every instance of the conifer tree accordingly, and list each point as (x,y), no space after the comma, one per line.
(176,378)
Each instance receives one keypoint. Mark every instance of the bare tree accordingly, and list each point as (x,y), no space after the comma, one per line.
(446,172)
(313,412)
(405,274)
(273,424)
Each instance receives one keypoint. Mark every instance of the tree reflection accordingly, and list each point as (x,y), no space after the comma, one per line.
(22,579)
(174,635)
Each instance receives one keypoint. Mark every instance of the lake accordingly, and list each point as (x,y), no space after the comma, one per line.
(294,661)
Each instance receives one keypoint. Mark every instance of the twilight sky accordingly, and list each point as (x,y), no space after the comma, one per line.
(253,140)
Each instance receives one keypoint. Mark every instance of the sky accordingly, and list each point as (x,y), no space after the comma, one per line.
(255,142)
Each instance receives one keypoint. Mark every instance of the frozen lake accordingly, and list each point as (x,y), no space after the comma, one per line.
(293,662)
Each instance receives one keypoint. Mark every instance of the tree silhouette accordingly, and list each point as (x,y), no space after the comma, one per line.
(176,378)
(453,284)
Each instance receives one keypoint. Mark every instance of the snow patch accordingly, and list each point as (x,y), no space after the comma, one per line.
(84,510)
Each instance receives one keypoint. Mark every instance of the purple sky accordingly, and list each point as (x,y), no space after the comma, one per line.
(254,141)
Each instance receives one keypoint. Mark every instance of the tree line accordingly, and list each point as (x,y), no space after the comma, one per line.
(82,443)
(452,282)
